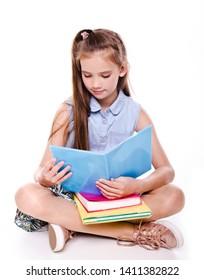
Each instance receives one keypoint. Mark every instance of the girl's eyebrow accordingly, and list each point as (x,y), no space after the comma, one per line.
(103,72)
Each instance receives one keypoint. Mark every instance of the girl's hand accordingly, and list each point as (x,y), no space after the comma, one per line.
(119,187)
(49,175)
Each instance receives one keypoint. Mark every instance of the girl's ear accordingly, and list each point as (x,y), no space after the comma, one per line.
(123,70)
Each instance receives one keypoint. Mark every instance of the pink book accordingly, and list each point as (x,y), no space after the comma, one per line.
(98,203)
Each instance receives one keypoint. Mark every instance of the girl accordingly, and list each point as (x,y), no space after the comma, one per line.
(100,114)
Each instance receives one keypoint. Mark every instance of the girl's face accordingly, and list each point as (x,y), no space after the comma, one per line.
(100,76)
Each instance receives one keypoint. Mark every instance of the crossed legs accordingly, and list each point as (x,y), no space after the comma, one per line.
(39,202)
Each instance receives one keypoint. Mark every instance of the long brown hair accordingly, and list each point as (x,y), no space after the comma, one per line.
(85,43)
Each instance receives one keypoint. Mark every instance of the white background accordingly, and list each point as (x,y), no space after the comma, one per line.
(165,45)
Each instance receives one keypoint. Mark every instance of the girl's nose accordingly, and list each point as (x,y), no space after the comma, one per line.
(96,84)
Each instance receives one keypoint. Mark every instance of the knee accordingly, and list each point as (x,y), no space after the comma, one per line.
(24,197)
(178,198)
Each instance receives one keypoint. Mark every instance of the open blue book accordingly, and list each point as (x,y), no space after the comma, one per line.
(131,158)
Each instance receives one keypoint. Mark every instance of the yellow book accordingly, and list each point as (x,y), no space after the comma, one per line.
(140,211)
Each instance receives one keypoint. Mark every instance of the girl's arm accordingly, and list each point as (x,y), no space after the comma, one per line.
(163,172)
(47,172)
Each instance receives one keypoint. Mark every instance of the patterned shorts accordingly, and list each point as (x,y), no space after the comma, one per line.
(29,223)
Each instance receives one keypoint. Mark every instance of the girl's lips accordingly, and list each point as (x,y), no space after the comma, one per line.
(98,91)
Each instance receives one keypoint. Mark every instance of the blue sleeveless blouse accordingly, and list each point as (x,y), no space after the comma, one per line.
(110,127)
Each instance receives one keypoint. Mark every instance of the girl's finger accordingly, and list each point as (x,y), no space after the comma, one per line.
(49,165)
(109,195)
(110,183)
(107,190)
(56,168)
(63,172)
(65,177)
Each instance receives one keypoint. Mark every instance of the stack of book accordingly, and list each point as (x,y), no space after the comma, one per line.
(106,210)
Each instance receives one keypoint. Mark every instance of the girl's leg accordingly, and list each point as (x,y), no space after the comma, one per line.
(164,201)
(41,203)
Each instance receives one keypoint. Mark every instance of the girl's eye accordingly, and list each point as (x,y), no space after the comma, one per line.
(103,76)
(87,76)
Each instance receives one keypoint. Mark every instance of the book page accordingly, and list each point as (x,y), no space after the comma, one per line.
(133,156)
(86,167)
